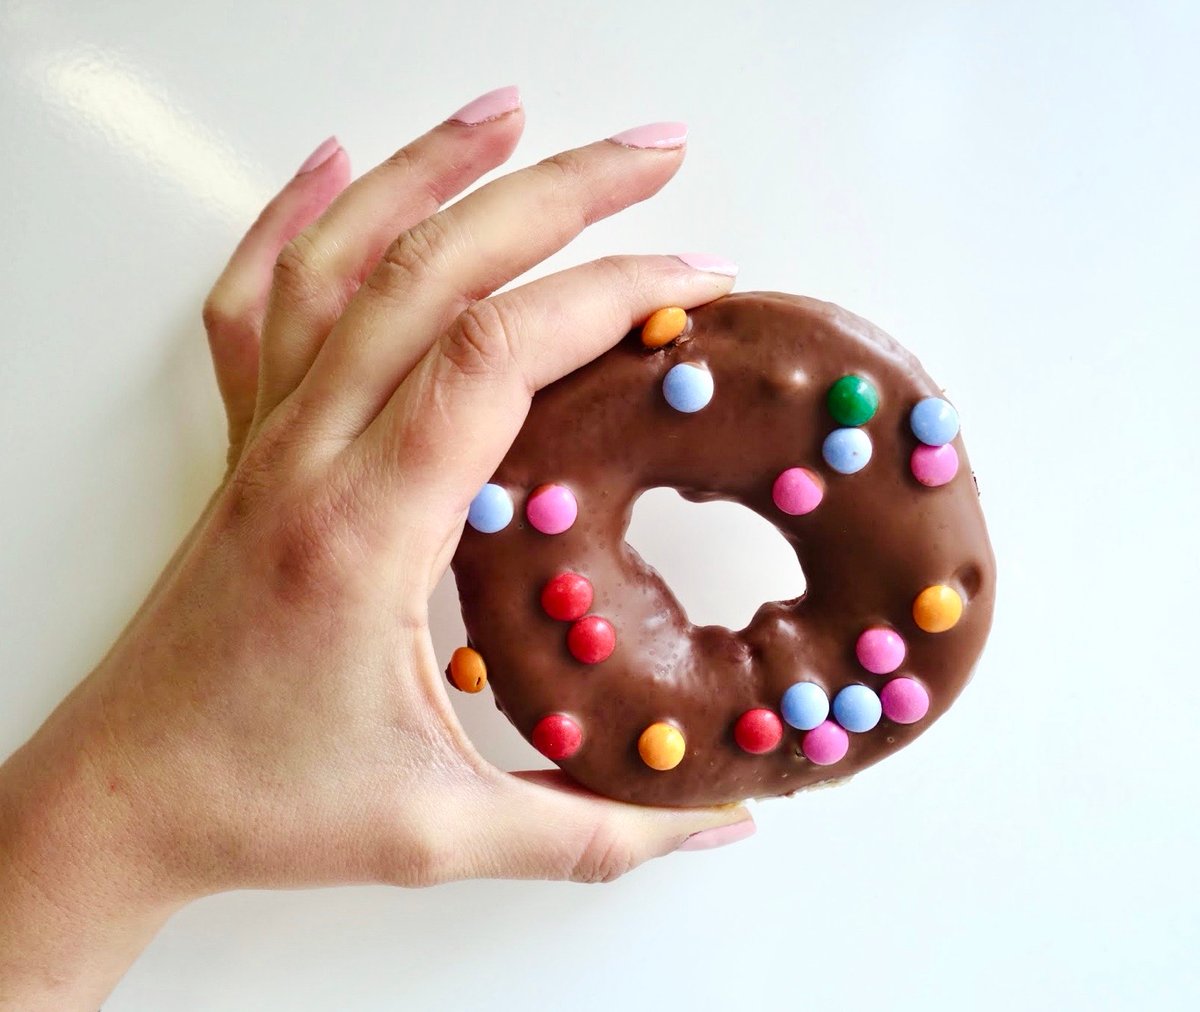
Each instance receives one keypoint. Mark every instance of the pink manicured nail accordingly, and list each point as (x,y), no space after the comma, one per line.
(653,135)
(709,262)
(706,839)
(487,107)
(320,156)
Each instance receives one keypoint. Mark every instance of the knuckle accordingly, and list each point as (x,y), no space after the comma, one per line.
(417,255)
(564,167)
(622,272)
(482,341)
(417,858)
(215,315)
(298,276)
(604,857)
(416,173)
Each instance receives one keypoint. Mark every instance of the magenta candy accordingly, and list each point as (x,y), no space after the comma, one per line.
(825,744)
(905,700)
(797,491)
(880,650)
(552,509)
(934,465)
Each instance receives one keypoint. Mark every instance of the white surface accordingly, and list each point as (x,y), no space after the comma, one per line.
(1010,189)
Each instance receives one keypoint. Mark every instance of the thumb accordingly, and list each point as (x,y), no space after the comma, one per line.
(541,825)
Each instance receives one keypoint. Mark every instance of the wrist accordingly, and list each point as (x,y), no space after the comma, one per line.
(82,890)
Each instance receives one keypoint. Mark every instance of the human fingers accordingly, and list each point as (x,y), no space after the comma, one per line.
(451,421)
(234,309)
(447,261)
(540,825)
(321,269)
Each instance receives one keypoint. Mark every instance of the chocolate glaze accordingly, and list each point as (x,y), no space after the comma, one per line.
(876,540)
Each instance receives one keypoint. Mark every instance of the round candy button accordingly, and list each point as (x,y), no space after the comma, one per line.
(688,387)
(853,400)
(491,510)
(591,639)
(847,450)
(557,736)
(880,650)
(567,596)
(937,608)
(857,708)
(467,670)
(934,465)
(664,326)
(757,731)
(904,700)
(661,746)
(934,421)
(797,491)
(825,744)
(804,705)
(551,509)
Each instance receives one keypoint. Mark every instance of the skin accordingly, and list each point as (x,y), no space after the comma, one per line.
(274,715)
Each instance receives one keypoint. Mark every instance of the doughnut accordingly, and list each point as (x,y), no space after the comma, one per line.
(812,418)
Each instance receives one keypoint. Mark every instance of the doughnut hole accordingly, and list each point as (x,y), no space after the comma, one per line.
(721,560)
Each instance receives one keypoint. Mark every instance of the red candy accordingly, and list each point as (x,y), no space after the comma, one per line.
(557,736)
(567,597)
(592,639)
(758,731)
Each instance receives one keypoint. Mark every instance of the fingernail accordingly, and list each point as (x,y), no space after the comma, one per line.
(706,839)
(653,135)
(709,262)
(320,156)
(487,107)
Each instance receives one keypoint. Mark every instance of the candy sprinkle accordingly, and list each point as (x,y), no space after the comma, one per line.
(664,326)
(937,608)
(662,746)
(557,736)
(467,671)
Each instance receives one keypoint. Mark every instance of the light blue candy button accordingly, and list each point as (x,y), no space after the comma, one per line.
(857,708)
(934,421)
(491,510)
(688,387)
(847,450)
(804,705)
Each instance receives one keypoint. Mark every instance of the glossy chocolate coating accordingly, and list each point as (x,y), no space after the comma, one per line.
(876,540)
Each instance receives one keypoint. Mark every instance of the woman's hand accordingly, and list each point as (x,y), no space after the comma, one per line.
(274,714)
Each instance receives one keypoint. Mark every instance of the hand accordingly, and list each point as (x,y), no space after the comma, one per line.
(274,714)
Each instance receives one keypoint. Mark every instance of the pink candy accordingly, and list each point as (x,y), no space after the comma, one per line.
(880,650)
(904,700)
(934,465)
(825,744)
(797,491)
(552,509)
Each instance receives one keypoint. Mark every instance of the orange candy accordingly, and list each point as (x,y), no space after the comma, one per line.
(467,670)
(664,326)
(661,746)
(937,608)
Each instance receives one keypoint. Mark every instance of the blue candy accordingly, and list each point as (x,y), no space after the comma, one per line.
(804,705)
(491,510)
(688,387)
(934,421)
(847,450)
(857,708)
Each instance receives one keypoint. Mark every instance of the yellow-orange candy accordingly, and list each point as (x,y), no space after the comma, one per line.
(661,746)
(467,670)
(664,326)
(937,608)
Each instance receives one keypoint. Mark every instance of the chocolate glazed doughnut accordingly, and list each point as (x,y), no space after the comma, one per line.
(820,423)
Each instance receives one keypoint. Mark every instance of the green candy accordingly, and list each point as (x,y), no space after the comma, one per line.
(853,400)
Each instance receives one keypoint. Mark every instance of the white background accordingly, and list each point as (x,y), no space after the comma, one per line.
(1010,188)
